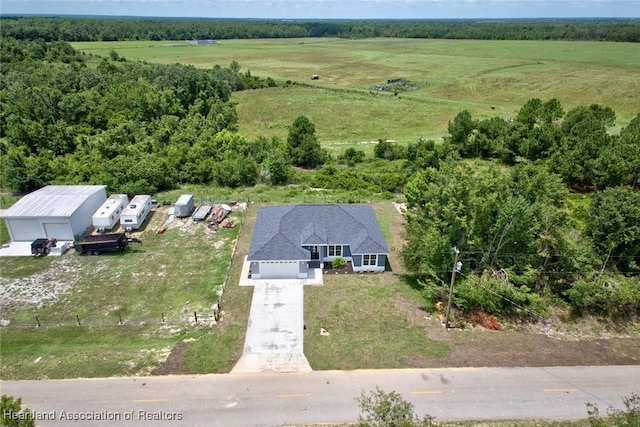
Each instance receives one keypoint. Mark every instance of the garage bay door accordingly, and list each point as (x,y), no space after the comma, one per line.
(278,269)
(60,231)
(24,230)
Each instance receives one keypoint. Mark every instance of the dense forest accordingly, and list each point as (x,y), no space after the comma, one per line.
(498,190)
(118,29)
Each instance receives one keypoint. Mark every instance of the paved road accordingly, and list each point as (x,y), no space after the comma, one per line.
(272,399)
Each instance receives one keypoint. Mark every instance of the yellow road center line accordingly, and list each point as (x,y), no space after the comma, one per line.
(560,390)
(427,392)
(289,396)
(150,400)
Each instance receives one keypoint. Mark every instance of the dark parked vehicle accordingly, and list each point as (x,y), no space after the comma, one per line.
(42,247)
(95,244)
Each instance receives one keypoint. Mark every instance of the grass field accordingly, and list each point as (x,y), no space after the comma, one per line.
(486,77)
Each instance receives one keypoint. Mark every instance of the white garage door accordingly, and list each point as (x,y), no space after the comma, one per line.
(24,230)
(60,231)
(279,270)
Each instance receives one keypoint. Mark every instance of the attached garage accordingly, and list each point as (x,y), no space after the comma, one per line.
(277,270)
(58,211)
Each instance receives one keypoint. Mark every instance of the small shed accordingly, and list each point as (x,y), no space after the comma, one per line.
(61,212)
(136,212)
(108,215)
(184,206)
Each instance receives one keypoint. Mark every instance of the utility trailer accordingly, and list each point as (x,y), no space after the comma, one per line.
(184,206)
(97,243)
(203,211)
(42,246)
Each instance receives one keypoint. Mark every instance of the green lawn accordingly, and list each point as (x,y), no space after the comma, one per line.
(366,329)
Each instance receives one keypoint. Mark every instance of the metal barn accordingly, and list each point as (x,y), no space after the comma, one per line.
(56,211)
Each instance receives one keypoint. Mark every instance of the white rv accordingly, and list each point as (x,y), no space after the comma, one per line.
(136,212)
(184,206)
(108,214)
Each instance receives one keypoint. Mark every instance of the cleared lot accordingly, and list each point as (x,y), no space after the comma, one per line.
(132,307)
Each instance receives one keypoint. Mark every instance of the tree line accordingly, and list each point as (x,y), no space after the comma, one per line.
(120,29)
(523,240)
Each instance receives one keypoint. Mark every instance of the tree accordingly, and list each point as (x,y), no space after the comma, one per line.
(619,162)
(576,160)
(389,150)
(351,156)
(614,225)
(278,168)
(24,172)
(551,111)
(13,415)
(603,115)
(381,409)
(302,144)
(461,127)
(425,153)
(500,220)
(531,112)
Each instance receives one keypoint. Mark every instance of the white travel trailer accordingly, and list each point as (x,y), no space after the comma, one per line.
(108,214)
(184,206)
(136,212)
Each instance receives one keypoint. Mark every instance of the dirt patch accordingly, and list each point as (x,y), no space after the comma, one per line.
(35,290)
(173,364)
(476,346)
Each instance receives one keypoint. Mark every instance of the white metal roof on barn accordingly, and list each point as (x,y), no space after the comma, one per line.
(53,201)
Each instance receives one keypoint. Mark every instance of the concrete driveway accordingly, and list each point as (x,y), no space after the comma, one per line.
(274,341)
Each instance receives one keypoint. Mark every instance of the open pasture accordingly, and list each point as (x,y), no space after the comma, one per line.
(486,77)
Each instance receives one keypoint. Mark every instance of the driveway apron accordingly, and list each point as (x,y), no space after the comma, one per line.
(274,340)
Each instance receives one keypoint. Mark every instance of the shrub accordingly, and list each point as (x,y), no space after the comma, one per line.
(351,156)
(338,263)
(12,414)
(615,297)
(388,410)
(629,417)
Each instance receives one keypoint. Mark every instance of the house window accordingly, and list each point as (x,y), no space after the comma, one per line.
(335,250)
(369,259)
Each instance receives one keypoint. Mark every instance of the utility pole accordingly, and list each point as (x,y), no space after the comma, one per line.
(453,279)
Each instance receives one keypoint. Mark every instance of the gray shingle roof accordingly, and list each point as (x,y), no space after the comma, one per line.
(280,231)
(53,201)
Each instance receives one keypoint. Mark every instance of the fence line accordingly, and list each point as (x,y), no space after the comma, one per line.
(119,320)
(216,308)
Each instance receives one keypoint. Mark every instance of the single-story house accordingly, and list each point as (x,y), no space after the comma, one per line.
(58,211)
(289,240)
